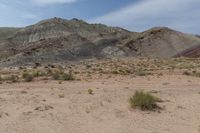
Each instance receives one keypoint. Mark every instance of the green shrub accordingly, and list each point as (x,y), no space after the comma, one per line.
(194,73)
(56,76)
(64,76)
(115,72)
(27,77)
(49,72)
(67,76)
(12,78)
(197,74)
(90,91)
(186,73)
(35,73)
(141,72)
(144,101)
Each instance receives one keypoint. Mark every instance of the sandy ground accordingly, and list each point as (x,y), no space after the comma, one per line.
(50,107)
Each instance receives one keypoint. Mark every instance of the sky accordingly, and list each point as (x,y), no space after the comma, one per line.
(134,15)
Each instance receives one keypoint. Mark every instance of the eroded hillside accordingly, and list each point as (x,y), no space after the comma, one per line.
(58,40)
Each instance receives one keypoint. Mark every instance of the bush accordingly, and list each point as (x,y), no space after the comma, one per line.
(27,77)
(38,73)
(194,73)
(35,74)
(141,72)
(59,75)
(115,72)
(67,76)
(144,101)
(49,72)
(56,76)
(90,91)
(186,73)
(12,78)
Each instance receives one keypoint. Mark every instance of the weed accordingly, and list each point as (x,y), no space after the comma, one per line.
(141,72)
(145,101)
(90,91)
(56,76)
(27,77)
(67,76)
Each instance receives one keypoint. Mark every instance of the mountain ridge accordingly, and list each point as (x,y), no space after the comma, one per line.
(60,40)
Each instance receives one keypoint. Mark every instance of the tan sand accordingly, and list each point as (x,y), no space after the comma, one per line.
(50,107)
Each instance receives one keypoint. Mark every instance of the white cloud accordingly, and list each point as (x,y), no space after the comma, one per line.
(178,14)
(14,14)
(49,2)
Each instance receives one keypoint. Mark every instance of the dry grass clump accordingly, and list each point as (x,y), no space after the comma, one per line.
(193,73)
(11,78)
(144,101)
(56,76)
(28,77)
(67,76)
(38,73)
(142,72)
(60,75)
(186,73)
(90,91)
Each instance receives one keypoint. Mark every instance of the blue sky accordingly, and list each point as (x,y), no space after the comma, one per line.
(135,15)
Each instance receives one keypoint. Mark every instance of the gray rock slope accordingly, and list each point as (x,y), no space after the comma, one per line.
(58,40)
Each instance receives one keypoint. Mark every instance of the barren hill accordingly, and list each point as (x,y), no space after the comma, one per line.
(162,42)
(58,40)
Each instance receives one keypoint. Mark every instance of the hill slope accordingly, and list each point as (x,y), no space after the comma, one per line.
(162,42)
(58,40)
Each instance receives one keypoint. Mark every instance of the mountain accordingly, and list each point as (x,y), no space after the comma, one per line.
(162,42)
(58,40)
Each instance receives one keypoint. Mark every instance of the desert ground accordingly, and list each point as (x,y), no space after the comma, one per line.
(45,105)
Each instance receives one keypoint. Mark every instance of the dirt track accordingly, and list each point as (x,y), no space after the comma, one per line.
(50,107)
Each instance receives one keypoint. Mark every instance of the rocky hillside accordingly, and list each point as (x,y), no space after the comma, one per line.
(162,42)
(58,40)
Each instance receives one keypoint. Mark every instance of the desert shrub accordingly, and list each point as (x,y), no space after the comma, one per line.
(59,82)
(67,76)
(88,66)
(115,72)
(21,68)
(56,76)
(60,70)
(60,75)
(194,73)
(12,78)
(27,77)
(35,73)
(38,73)
(90,91)
(49,72)
(61,95)
(141,72)
(37,64)
(186,73)
(145,101)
